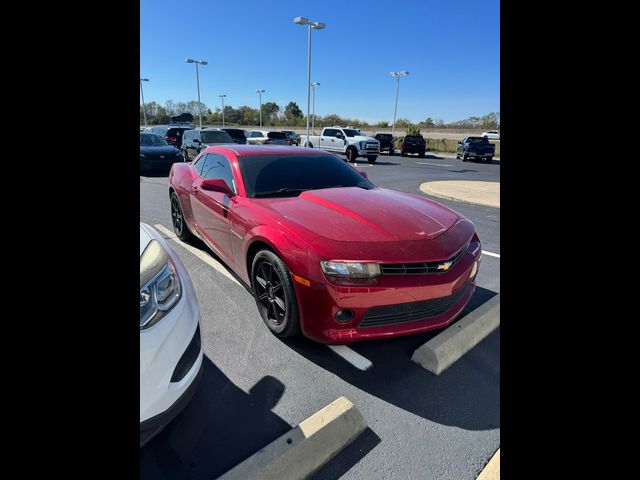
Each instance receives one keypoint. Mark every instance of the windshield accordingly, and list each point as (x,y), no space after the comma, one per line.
(215,137)
(477,140)
(235,133)
(384,136)
(290,175)
(350,133)
(414,138)
(276,135)
(151,140)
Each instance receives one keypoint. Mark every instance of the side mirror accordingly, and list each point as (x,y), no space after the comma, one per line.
(340,136)
(459,143)
(217,185)
(364,174)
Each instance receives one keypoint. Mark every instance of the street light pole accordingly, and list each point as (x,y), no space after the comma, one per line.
(198,62)
(402,73)
(222,97)
(144,110)
(260,92)
(313,108)
(310,25)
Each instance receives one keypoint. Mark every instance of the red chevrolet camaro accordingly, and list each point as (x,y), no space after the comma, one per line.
(325,251)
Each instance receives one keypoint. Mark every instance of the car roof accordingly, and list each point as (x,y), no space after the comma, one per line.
(258,150)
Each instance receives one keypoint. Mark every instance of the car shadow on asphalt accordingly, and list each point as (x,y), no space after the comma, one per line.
(156,172)
(377,162)
(466,395)
(222,426)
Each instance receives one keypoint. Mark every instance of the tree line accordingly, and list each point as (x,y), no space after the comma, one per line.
(292,116)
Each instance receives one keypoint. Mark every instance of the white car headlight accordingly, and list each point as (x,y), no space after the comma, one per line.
(350,269)
(160,287)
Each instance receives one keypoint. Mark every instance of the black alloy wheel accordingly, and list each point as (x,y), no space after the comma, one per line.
(177,219)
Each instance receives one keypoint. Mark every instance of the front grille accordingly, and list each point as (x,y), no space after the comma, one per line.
(188,358)
(420,268)
(409,312)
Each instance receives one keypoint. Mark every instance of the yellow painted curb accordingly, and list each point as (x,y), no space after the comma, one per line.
(492,470)
(481,193)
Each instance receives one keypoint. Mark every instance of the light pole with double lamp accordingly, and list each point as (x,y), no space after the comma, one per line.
(313,108)
(403,73)
(144,110)
(198,62)
(260,92)
(222,98)
(316,26)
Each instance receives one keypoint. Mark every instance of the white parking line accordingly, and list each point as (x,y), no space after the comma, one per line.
(169,235)
(354,358)
(435,164)
(497,255)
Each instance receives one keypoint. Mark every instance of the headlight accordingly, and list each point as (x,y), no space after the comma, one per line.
(361,145)
(351,269)
(160,287)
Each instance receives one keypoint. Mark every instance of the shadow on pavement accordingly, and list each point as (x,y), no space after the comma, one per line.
(466,395)
(218,429)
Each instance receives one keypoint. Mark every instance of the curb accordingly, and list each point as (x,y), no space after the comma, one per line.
(426,188)
(305,448)
(492,470)
(446,348)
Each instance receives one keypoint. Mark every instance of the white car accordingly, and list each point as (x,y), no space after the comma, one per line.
(170,344)
(492,134)
(264,137)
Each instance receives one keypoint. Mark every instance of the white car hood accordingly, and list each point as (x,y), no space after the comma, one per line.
(363,138)
(144,239)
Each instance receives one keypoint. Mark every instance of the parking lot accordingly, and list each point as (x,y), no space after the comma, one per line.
(256,386)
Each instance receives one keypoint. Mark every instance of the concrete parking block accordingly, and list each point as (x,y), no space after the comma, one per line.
(446,348)
(305,448)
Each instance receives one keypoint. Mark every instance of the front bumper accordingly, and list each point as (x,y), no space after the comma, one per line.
(320,302)
(150,163)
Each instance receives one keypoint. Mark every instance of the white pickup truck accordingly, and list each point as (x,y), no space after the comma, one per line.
(344,140)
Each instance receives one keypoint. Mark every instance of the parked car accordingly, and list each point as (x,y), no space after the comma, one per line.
(264,137)
(170,344)
(386,142)
(171,133)
(413,144)
(476,147)
(348,141)
(326,252)
(156,153)
(294,138)
(194,141)
(237,134)
(492,134)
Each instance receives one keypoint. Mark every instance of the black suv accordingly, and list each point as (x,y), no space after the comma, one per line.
(194,141)
(171,133)
(237,134)
(294,138)
(414,144)
(386,142)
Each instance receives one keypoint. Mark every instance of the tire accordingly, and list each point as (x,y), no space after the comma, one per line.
(465,157)
(488,159)
(352,154)
(372,160)
(457,156)
(403,153)
(391,152)
(274,294)
(177,219)
(421,154)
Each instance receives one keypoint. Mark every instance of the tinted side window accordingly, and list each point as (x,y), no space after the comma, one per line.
(329,132)
(218,166)
(199,163)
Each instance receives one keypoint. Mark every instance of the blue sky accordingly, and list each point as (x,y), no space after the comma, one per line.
(450,48)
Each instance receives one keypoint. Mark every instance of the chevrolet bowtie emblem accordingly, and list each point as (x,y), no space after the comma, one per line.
(444,266)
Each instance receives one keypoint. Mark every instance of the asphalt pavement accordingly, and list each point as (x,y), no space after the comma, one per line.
(256,386)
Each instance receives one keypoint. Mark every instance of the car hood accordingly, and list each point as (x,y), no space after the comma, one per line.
(353,214)
(162,150)
(145,238)
(362,138)
(373,224)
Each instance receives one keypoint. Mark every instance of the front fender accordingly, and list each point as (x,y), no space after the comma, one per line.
(291,248)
